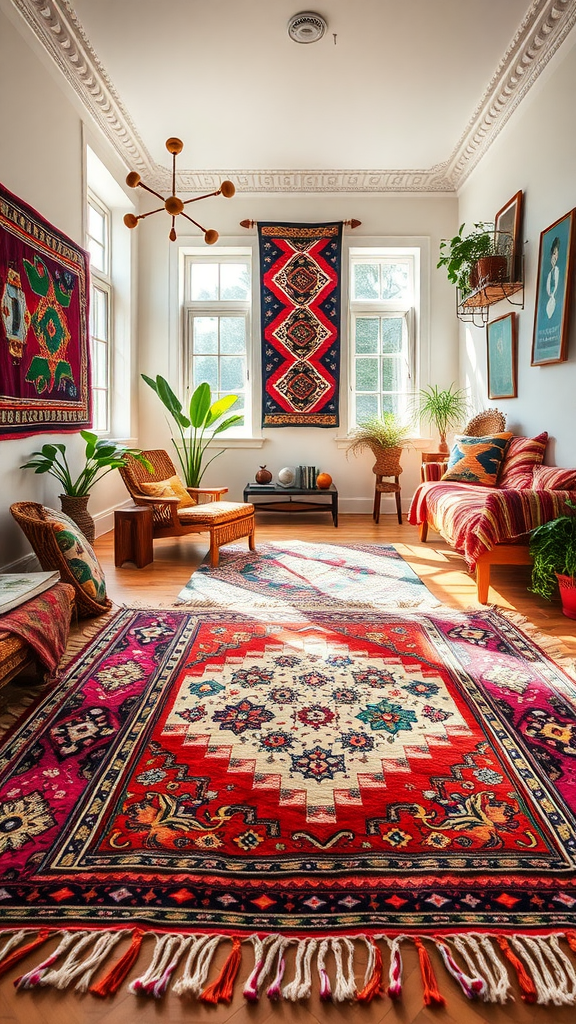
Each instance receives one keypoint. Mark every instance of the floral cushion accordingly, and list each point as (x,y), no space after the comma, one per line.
(477,460)
(173,487)
(80,565)
(551,478)
(523,454)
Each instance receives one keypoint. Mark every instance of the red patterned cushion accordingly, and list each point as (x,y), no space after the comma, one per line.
(549,478)
(524,453)
(477,460)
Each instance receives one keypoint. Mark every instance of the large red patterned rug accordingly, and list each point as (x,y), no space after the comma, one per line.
(341,781)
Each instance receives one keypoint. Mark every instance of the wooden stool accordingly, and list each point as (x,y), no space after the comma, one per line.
(133,536)
(386,487)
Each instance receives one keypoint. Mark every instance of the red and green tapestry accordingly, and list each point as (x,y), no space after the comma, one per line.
(300,310)
(377,774)
(44,342)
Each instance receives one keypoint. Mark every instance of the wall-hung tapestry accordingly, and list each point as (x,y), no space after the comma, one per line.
(300,295)
(44,344)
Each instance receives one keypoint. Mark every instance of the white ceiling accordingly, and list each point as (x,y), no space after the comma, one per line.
(393,85)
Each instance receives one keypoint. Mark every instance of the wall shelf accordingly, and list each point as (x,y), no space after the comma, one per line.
(476,305)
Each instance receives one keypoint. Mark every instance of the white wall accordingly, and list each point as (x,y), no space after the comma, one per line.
(41,161)
(384,220)
(535,152)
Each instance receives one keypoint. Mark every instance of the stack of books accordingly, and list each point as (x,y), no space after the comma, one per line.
(306,477)
(16,588)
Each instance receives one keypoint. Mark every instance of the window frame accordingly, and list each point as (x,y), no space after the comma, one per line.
(102,281)
(193,308)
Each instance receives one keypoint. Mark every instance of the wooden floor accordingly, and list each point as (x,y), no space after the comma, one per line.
(157,584)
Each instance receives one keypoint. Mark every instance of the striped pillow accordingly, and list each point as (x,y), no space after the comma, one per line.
(550,478)
(524,453)
(477,460)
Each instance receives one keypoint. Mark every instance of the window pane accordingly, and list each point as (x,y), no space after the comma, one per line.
(234,281)
(367,334)
(100,313)
(391,403)
(366,406)
(232,335)
(392,334)
(205,334)
(205,281)
(96,255)
(365,281)
(206,369)
(96,224)
(395,281)
(390,375)
(231,373)
(100,364)
(367,375)
(99,410)
(237,409)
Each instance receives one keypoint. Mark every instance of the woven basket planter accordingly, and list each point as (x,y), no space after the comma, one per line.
(75,507)
(387,461)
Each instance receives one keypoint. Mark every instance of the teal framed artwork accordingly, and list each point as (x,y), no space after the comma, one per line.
(553,287)
(502,357)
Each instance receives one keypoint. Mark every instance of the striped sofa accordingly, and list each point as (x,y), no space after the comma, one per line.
(487,525)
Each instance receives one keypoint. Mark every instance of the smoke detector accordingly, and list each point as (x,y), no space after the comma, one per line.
(306,27)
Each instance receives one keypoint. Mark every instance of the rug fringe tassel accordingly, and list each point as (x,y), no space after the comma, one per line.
(545,971)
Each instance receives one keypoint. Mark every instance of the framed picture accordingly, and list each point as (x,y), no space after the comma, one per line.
(553,287)
(502,357)
(508,234)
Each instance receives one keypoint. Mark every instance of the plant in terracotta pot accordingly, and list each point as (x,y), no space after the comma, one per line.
(445,408)
(472,259)
(101,457)
(553,548)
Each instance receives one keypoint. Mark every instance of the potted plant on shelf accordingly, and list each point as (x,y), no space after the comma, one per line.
(553,548)
(195,431)
(472,260)
(101,457)
(444,408)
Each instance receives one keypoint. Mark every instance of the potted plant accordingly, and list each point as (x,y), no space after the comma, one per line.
(472,260)
(196,430)
(444,408)
(385,436)
(101,457)
(553,548)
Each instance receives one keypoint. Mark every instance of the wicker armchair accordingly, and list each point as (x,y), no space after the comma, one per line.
(225,521)
(490,421)
(40,529)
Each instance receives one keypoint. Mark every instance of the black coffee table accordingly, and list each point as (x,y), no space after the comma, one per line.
(281,499)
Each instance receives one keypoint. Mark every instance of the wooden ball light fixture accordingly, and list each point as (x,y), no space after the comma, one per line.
(173,205)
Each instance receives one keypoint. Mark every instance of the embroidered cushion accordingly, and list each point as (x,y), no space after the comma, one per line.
(551,478)
(173,487)
(522,455)
(477,460)
(80,565)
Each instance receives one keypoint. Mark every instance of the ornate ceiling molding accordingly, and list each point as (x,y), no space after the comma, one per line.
(546,25)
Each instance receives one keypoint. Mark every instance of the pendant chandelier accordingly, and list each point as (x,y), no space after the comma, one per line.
(173,205)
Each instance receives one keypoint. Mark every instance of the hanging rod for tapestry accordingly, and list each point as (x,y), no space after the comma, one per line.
(252,223)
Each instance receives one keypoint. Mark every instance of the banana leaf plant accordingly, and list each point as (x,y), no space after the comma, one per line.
(101,457)
(196,430)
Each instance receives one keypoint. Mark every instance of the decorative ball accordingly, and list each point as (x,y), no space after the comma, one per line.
(174,206)
(211,236)
(133,179)
(130,220)
(286,476)
(263,476)
(323,481)
(174,145)
(227,189)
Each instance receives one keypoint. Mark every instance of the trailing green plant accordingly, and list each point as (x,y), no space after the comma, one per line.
(459,254)
(553,548)
(444,408)
(101,457)
(194,430)
(385,431)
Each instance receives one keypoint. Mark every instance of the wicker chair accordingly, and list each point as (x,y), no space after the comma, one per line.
(490,421)
(225,521)
(37,524)
(387,465)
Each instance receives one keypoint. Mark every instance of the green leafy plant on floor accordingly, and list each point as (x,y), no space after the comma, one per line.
(553,548)
(459,254)
(195,431)
(101,457)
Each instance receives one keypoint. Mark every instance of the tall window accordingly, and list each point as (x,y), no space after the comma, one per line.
(98,245)
(382,299)
(217,327)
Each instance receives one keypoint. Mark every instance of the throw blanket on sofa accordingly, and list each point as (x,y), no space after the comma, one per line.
(474,519)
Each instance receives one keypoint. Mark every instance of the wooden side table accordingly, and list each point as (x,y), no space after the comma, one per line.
(133,536)
(433,465)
